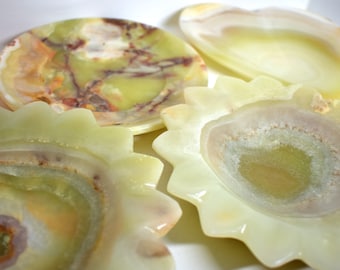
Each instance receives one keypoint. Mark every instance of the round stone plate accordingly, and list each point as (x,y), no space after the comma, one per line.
(125,72)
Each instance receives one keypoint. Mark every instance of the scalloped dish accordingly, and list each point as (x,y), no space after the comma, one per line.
(261,162)
(125,72)
(69,200)
(260,157)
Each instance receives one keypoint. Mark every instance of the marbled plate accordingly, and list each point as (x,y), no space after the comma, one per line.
(125,72)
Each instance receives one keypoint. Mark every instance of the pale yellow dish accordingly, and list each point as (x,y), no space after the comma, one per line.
(74,195)
(291,45)
(261,162)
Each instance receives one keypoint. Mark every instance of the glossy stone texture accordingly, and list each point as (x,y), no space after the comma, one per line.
(125,72)
(293,46)
(261,162)
(78,200)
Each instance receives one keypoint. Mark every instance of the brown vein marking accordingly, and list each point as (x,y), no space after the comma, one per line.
(155,102)
(148,30)
(50,43)
(162,64)
(161,101)
(44,99)
(100,104)
(168,63)
(128,26)
(73,77)
(94,101)
(71,102)
(104,105)
(76,45)
(138,54)
(139,57)
(69,46)
(74,102)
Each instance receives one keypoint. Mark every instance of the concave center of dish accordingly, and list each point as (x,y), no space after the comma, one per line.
(59,211)
(276,160)
(282,172)
(275,51)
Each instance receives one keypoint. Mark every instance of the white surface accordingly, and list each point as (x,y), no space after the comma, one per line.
(191,249)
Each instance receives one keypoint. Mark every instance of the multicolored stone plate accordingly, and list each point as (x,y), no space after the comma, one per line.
(125,72)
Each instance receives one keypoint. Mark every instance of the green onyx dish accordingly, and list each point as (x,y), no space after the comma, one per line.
(78,200)
(260,161)
(125,72)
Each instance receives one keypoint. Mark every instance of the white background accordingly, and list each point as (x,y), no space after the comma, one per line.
(191,249)
(18,15)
